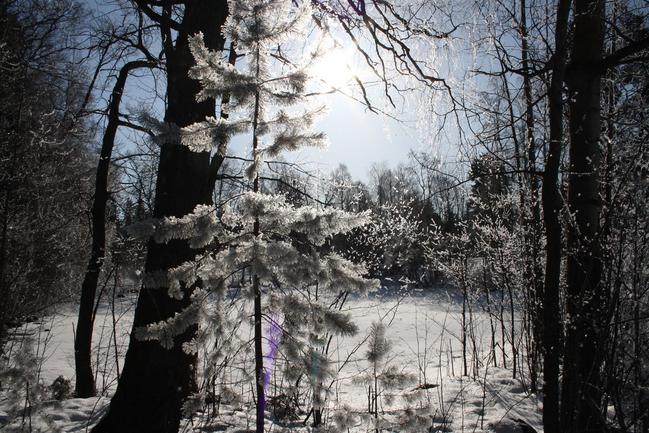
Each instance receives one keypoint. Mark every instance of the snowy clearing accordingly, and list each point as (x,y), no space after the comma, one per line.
(425,332)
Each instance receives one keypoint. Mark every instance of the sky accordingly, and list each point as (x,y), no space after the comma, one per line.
(360,138)
(357,136)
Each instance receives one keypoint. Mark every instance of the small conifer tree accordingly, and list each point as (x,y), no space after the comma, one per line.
(279,244)
(382,375)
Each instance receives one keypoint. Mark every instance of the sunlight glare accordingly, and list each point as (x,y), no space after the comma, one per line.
(336,67)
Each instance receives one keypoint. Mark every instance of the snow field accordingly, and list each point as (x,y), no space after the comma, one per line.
(425,331)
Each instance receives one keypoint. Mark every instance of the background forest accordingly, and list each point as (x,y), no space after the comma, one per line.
(168,264)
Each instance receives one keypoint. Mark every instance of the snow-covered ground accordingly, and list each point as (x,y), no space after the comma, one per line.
(425,331)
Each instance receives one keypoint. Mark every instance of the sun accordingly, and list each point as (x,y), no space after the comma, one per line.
(336,68)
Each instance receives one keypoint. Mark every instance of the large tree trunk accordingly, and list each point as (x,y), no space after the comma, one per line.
(581,409)
(552,203)
(85,380)
(155,381)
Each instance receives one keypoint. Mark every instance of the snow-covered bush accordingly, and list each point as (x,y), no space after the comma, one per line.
(22,392)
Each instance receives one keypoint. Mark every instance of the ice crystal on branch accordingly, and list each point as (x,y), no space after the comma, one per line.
(205,136)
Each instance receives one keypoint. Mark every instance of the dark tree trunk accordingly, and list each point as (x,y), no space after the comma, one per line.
(256,288)
(259,355)
(5,310)
(155,381)
(85,380)
(552,203)
(535,272)
(581,409)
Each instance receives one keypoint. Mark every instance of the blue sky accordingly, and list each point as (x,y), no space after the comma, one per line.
(358,138)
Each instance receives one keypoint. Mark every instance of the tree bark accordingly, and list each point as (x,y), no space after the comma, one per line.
(534,246)
(256,288)
(155,381)
(85,380)
(581,409)
(552,203)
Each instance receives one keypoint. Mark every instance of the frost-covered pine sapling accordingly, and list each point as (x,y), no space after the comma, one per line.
(382,375)
(257,26)
(259,233)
